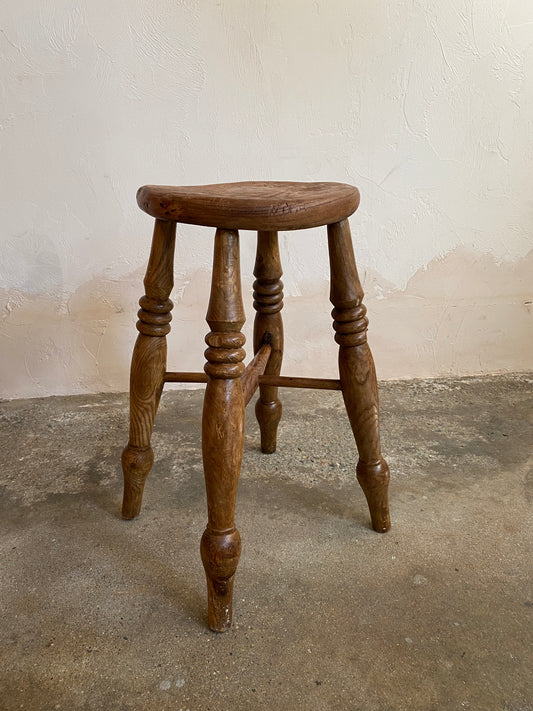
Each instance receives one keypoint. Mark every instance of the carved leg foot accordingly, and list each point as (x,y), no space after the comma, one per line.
(148,365)
(357,373)
(268,415)
(220,556)
(136,465)
(374,481)
(223,428)
(268,302)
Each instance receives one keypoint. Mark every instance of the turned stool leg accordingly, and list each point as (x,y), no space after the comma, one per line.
(148,365)
(268,302)
(357,373)
(223,428)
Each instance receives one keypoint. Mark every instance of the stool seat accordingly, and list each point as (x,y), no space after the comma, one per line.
(262,206)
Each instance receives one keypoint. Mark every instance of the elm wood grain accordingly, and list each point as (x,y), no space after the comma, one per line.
(223,428)
(254,370)
(268,302)
(251,205)
(148,365)
(357,373)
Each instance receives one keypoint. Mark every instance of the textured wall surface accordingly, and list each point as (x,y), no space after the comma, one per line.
(425,106)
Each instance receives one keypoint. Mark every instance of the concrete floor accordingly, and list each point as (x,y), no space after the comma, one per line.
(100,613)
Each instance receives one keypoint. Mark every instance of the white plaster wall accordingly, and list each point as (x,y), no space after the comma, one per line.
(426,106)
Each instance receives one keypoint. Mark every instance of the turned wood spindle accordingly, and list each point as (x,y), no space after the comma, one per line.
(268,302)
(148,365)
(357,373)
(223,428)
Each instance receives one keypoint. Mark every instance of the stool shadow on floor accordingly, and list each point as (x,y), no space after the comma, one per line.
(345,503)
(161,569)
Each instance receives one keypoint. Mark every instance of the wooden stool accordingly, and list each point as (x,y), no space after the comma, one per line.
(265,207)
